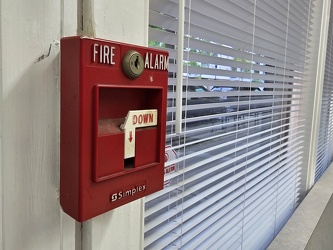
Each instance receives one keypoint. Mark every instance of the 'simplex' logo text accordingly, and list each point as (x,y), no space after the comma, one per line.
(128,192)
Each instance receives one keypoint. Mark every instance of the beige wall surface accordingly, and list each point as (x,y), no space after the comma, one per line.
(30,116)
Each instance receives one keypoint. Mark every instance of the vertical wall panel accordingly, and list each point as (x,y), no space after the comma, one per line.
(124,21)
(325,138)
(31,214)
(314,76)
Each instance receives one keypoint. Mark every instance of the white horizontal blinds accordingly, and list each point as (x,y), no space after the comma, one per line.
(325,138)
(238,157)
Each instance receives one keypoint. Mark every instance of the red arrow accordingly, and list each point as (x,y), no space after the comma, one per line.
(131,137)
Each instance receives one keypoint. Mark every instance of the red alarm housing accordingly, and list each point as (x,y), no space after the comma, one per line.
(113,118)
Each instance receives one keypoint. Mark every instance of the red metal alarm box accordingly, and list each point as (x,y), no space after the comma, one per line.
(113,117)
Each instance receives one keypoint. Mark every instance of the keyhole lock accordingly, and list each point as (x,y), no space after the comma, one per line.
(132,64)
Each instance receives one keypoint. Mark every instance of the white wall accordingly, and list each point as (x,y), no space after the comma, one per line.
(29,101)
(31,216)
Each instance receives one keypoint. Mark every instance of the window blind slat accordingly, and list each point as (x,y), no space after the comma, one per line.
(276,131)
(210,239)
(224,183)
(238,203)
(231,63)
(237,84)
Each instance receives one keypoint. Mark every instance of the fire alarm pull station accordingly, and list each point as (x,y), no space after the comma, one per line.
(113,117)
